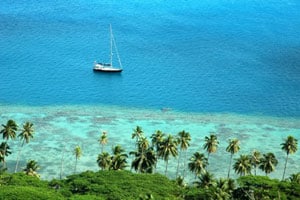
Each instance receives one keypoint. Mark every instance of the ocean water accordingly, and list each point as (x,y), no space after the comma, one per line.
(230,67)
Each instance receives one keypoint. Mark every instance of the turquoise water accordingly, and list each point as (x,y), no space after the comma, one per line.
(60,128)
(208,56)
(230,67)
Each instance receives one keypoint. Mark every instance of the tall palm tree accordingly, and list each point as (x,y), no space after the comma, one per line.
(198,163)
(143,145)
(242,166)
(4,152)
(103,140)
(156,140)
(168,148)
(184,139)
(290,146)
(25,136)
(9,130)
(31,168)
(211,144)
(255,160)
(233,147)
(78,153)
(104,160)
(268,163)
(144,161)
(137,134)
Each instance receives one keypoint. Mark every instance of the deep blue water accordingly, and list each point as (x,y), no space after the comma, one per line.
(197,56)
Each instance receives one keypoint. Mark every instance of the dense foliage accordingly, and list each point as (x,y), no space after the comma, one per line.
(128,185)
(114,182)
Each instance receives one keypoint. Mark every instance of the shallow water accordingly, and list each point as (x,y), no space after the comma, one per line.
(230,67)
(63,127)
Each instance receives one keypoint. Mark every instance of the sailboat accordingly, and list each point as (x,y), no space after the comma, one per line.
(108,67)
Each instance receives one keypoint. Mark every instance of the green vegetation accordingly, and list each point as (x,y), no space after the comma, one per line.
(126,185)
(113,181)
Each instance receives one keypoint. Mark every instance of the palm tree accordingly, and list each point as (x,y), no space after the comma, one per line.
(104,160)
(144,161)
(78,153)
(221,190)
(168,148)
(295,178)
(242,166)
(103,140)
(198,163)
(156,140)
(31,168)
(9,130)
(117,150)
(25,136)
(206,180)
(137,133)
(231,185)
(180,182)
(184,139)
(232,148)
(4,152)
(268,163)
(143,144)
(255,160)
(211,144)
(118,160)
(289,146)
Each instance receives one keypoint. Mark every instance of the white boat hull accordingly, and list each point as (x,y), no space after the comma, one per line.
(106,68)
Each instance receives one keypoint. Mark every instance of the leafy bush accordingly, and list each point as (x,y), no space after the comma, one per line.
(22,179)
(261,187)
(28,193)
(121,185)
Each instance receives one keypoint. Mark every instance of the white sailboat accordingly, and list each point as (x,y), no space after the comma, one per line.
(108,67)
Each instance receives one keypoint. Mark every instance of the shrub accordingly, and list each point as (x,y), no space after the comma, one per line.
(27,193)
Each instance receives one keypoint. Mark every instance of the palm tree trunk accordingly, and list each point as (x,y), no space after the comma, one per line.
(75,166)
(166,167)
(4,164)
(286,159)
(18,158)
(178,164)
(140,163)
(184,163)
(156,155)
(229,165)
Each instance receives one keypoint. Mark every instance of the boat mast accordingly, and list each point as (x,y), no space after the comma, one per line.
(111,44)
(114,45)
